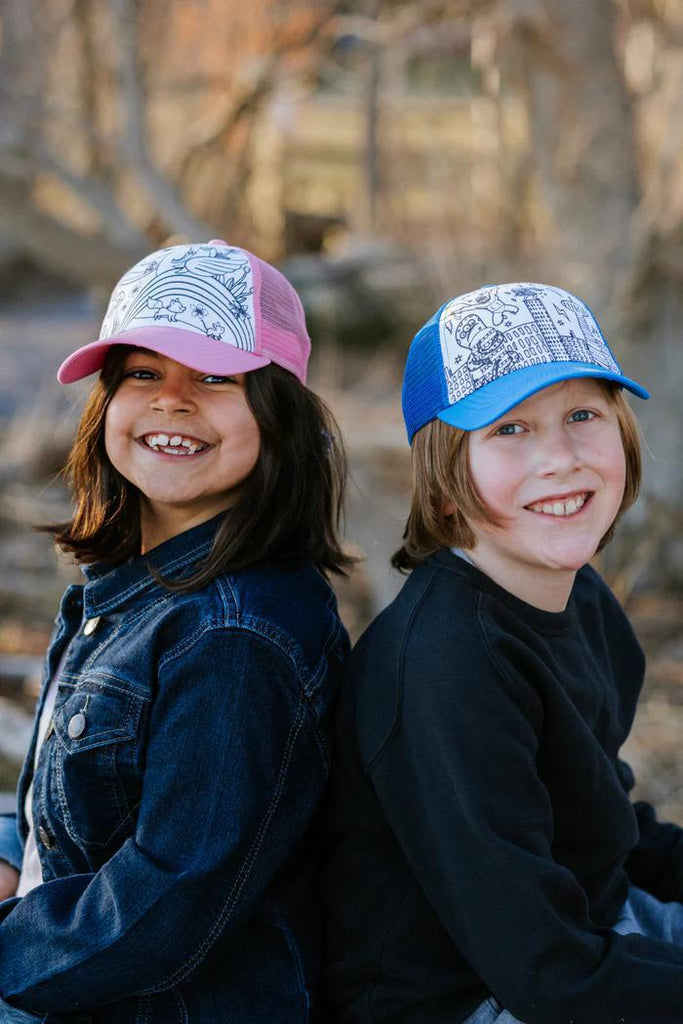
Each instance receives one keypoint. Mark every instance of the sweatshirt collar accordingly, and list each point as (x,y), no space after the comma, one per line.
(543,621)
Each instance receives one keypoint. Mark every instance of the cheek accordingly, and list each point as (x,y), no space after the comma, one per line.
(113,430)
(250,453)
(496,481)
(617,464)
(612,463)
(244,441)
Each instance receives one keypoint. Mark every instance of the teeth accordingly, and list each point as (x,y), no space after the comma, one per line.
(176,445)
(560,508)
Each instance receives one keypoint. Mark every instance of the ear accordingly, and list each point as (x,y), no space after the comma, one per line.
(448,508)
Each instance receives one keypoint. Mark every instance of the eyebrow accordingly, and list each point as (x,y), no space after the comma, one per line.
(142,351)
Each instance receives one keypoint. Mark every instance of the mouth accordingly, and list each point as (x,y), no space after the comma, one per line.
(562,507)
(180,445)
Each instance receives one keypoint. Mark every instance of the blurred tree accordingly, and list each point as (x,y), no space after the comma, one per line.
(653,296)
(582,159)
(127,122)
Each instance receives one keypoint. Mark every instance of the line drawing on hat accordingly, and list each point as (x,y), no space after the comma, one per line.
(206,289)
(500,310)
(484,336)
(172,309)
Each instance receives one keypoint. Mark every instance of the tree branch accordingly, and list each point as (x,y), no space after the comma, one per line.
(168,203)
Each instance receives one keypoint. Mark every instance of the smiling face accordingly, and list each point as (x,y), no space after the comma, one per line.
(186,440)
(552,471)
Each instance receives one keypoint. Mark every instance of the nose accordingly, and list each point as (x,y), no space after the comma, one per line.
(172,396)
(557,454)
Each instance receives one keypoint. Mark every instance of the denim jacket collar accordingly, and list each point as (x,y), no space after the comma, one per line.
(108,588)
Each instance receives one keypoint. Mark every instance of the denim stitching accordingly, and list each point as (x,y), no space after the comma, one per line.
(128,623)
(188,642)
(224,584)
(143,1011)
(184,1017)
(117,685)
(67,821)
(144,583)
(244,872)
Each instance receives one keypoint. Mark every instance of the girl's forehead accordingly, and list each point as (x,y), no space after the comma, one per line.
(138,351)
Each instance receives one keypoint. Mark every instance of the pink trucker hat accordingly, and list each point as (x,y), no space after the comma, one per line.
(211,306)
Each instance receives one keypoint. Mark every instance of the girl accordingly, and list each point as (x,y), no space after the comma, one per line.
(164,843)
(486,863)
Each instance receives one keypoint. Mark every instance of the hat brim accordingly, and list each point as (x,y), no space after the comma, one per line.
(491,401)
(187,347)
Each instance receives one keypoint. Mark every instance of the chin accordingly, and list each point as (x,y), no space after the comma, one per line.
(572,561)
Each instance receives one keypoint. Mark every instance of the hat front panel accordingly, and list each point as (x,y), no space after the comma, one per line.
(205,289)
(490,333)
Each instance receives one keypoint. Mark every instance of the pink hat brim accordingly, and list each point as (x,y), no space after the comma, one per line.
(187,347)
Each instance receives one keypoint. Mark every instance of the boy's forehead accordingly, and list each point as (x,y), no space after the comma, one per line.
(560,394)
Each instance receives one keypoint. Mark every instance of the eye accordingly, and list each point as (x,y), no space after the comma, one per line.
(139,373)
(214,378)
(508,430)
(581,416)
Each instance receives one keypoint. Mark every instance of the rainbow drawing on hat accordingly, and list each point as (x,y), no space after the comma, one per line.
(485,335)
(207,289)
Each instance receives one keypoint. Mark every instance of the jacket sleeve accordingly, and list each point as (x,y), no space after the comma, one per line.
(231,782)
(11,849)
(459,783)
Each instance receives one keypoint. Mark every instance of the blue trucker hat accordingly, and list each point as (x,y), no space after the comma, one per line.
(485,352)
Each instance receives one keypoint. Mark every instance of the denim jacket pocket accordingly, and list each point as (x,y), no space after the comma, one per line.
(94,765)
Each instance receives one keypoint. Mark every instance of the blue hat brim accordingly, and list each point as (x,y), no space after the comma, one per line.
(491,401)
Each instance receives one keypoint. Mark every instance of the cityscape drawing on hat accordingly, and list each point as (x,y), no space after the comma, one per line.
(487,334)
(203,288)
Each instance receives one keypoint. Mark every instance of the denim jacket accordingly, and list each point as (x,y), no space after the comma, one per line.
(173,800)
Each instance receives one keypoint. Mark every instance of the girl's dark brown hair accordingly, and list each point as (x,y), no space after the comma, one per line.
(441,477)
(288,508)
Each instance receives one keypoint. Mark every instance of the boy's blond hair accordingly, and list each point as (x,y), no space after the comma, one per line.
(441,477)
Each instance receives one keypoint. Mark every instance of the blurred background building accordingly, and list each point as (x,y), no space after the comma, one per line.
(388,154)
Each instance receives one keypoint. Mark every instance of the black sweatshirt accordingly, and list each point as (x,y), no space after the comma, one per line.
(481,837)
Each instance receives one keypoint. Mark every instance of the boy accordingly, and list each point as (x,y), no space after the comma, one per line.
(485,862)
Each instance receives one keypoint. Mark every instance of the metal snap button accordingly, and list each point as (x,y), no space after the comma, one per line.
(76,726)
(45,838)
(91,625)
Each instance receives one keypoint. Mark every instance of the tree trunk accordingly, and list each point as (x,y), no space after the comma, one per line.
(562,55)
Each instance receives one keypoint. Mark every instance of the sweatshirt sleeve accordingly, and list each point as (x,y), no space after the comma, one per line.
(229,788)
(459,782)
(656,864)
